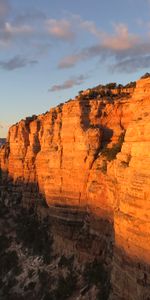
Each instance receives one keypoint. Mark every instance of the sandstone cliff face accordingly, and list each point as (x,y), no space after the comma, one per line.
(62,156)
(131,274)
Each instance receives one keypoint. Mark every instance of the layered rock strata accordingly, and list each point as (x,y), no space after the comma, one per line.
(67,157)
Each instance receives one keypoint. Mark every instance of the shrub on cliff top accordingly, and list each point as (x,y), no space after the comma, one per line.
(111,85)
(131,84)
(146,75)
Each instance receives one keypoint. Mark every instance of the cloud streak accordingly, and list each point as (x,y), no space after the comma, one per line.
(110,45)
(60,29)
(74,81)
(121,46)
(84,54)
(10,33)
(132,64)
(14,30)
(16,62)
(31,29)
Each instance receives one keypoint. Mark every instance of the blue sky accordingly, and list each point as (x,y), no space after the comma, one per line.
(49,50)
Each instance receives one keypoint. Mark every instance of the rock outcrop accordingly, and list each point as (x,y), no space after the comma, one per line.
(131,272)
(89,160)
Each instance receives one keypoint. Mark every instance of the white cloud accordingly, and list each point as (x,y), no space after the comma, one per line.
(60,29)
(23,30)
(10,32)
(70,61)
(124,47)
(121,39)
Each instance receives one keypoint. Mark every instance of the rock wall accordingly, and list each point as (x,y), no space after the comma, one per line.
(131,263)
(63,156)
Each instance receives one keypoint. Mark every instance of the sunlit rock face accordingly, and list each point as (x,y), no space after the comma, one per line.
(131,170)
(61,149)
(60,156)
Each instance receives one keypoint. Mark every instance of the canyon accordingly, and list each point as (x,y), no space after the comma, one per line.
(85,165)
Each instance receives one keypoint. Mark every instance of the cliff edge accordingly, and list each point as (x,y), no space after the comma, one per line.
(89,161)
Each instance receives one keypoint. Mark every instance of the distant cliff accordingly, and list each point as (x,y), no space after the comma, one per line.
(89,159)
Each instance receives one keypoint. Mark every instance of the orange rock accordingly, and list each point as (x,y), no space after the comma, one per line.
(61,151)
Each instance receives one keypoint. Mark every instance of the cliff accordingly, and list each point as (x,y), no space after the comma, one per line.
(89,160)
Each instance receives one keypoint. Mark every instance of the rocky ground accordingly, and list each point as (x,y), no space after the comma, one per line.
(30,268)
